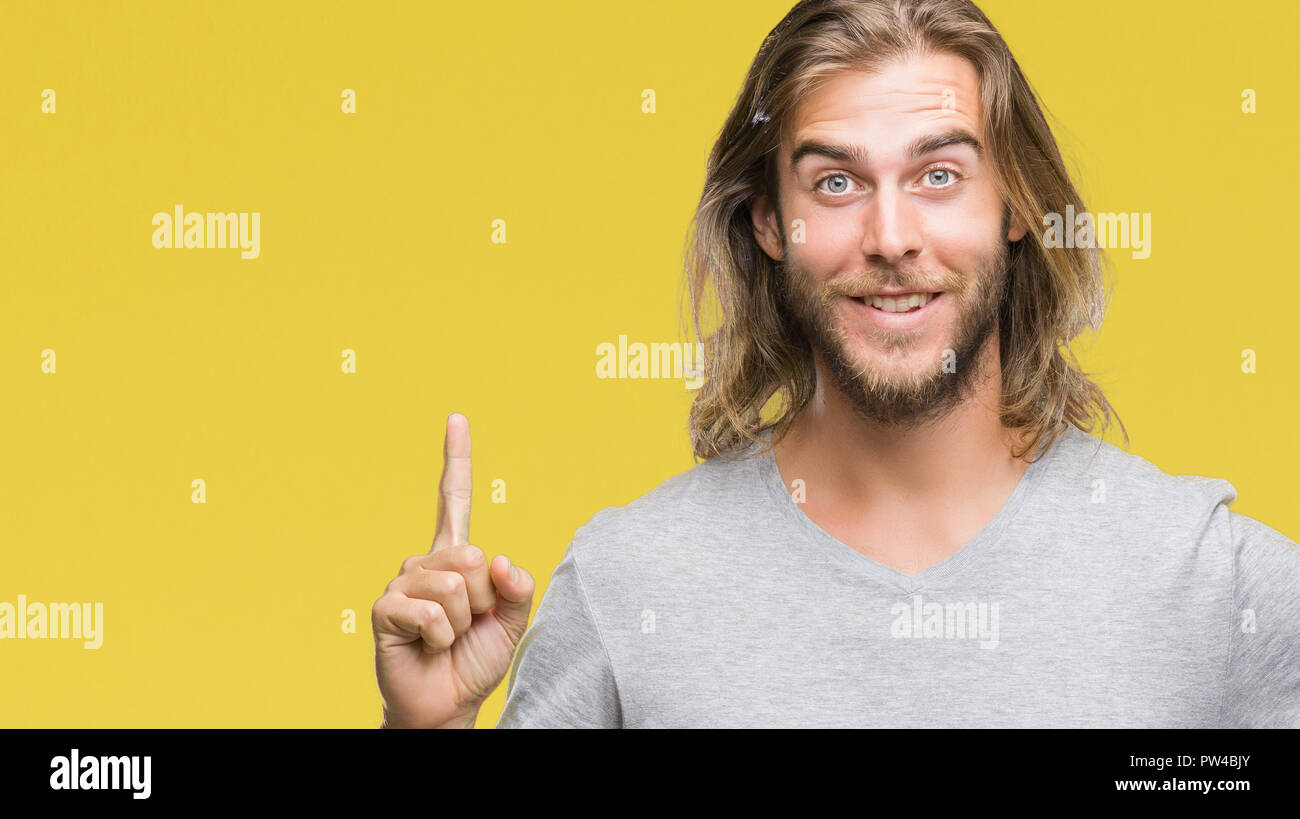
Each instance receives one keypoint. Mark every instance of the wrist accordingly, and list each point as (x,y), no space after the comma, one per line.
(463,721)
(466,719)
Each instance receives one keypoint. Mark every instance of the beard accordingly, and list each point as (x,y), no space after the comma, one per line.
(927,392)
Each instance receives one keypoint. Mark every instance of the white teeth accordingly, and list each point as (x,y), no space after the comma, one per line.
(900,304)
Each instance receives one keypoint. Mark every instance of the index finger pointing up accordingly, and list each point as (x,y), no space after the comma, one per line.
(454,489)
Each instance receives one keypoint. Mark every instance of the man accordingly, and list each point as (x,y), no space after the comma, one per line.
(921,532)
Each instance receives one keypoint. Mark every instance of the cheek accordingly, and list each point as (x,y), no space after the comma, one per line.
(829,245)
(960,240)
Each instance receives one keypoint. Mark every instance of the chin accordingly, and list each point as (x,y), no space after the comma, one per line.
(866,348)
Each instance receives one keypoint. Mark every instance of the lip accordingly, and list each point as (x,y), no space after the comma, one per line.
(896,321)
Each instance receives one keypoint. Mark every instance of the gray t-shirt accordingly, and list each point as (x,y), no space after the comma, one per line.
(1105,593)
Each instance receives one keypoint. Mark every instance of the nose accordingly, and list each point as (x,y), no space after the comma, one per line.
(892,233)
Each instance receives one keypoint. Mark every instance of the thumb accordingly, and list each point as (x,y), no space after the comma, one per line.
(514,597)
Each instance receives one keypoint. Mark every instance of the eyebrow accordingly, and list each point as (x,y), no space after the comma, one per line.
(858,154)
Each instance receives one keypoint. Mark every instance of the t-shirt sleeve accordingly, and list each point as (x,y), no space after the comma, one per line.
(1263,683)
(561,675)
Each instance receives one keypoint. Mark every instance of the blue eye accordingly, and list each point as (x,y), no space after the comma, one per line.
(940,183)
(839,176)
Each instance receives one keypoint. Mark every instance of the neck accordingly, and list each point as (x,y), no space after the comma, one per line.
(861,462)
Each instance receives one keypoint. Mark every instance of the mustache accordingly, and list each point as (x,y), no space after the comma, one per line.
(924,281)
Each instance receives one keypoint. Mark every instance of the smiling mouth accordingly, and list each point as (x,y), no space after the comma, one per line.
(908,303)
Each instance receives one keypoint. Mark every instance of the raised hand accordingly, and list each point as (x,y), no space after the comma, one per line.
(447,626)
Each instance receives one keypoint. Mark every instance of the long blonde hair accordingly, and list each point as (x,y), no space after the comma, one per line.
(757,355)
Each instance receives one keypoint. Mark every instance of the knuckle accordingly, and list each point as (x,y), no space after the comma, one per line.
(432,614)
(410,564)
(383,605)
(453,583)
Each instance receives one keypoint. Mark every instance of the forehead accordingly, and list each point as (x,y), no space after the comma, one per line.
(888,107)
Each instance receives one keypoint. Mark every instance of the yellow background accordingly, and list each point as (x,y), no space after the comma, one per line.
(182,364)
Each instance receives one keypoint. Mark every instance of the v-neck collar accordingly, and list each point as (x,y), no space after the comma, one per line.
(855,561)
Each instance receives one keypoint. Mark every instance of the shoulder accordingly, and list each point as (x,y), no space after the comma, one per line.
(1138,492)
(669,526)
(1131,484)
